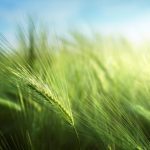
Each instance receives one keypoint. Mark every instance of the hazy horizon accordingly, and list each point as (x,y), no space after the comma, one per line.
(128,18)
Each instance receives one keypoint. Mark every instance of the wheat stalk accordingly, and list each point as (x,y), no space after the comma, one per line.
(44,91)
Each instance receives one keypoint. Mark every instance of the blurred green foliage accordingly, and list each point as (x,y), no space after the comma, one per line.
(78,93)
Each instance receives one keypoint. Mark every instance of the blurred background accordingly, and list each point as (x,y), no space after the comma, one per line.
(129,18)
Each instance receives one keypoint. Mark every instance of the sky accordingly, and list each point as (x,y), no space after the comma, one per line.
(130,18)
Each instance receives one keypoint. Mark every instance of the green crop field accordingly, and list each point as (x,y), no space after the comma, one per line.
(75,93)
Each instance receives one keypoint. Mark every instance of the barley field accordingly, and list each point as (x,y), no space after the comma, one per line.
(77,93)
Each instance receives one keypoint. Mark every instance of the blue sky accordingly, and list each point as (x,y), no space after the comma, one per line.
(130,18)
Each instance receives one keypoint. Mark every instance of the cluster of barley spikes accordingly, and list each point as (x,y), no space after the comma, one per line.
(73,94)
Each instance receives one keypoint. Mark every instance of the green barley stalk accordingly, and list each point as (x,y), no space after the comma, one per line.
(44,91)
